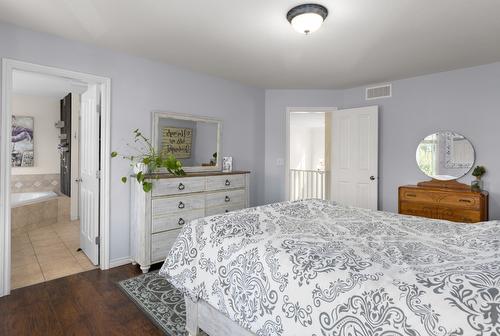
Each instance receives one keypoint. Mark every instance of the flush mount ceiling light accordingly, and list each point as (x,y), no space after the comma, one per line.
(307,18)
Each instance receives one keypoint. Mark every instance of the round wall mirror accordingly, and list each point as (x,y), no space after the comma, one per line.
(445,155)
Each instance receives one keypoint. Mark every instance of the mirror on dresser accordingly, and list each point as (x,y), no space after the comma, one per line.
(444,156)
(193,140)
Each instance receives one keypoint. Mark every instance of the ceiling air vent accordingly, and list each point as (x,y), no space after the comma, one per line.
(376,92)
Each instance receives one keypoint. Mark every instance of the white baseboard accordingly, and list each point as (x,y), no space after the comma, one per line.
(119,262)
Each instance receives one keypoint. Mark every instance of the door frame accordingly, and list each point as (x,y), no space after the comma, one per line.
(288,111)
(8,66)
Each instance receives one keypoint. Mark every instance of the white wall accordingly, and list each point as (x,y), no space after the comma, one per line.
(300,147)
(466,101)
(139,86)
(307,147)
(45,111)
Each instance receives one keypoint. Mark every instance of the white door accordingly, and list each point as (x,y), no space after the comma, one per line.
(89,173)
(354,157)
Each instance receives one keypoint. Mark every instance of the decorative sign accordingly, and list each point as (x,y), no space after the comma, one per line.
(177,141)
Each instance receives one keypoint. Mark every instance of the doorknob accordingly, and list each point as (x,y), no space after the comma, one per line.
(372,178)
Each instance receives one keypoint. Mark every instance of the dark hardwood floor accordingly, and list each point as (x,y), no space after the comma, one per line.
(88,303)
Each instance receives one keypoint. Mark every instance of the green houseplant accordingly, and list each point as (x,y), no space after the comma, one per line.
(478,172)
(145,159)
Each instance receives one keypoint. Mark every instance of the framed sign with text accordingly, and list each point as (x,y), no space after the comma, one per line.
(176,141)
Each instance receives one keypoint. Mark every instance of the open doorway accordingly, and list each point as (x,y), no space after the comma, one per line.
(308,153)
(333,154)
(55,169)
(45,170)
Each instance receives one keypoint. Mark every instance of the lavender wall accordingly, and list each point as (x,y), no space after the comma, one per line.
(466,101)
(140,86)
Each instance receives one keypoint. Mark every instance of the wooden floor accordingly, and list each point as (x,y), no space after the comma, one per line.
(88,303)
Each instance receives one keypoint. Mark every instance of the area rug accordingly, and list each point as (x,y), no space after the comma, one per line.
(159,300)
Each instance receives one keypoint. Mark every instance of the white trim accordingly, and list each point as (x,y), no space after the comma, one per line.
(287,139)
(5,238)
(119,262)
(8,66)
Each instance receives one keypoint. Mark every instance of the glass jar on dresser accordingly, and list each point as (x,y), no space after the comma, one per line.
(158,216)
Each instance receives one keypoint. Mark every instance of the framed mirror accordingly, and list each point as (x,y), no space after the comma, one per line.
(193,140)
(445,156)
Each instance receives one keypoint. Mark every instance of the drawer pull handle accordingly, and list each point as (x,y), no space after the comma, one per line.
(181,186)
(226,210)
(228,183)
(181,205)
(181,221)
(411,195)
(227,199)
(464,200)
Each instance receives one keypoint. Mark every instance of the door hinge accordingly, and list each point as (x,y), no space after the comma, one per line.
(98,174)
(97,241)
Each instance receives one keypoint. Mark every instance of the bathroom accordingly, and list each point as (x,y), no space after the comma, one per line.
(45,227)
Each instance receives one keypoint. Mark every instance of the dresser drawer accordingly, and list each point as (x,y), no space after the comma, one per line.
(225,182)
(224,209)
(418,196)
(418,209)
(469,201)
(172,186)
(161,243)
(224,198)
(459,215)
(177,204)
(169,221)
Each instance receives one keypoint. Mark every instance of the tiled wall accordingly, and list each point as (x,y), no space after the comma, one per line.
(36,182)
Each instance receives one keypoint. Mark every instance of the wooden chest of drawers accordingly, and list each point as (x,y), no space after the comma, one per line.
(441,203)
(158,216)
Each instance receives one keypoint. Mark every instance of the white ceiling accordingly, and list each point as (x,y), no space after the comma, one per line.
(35,84)
(361,41)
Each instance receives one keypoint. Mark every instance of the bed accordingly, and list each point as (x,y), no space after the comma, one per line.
(316,268)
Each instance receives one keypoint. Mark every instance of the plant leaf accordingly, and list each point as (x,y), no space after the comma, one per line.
(114,154)
(124,179)
(147,186)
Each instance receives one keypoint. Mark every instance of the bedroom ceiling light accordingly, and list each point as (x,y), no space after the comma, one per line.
(307,18)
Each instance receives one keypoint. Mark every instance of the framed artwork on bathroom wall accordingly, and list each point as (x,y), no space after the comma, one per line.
(22,141)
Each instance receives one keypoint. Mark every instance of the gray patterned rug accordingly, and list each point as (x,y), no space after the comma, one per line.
(159,300)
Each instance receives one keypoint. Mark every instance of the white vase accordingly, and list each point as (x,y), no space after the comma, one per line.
(141,167)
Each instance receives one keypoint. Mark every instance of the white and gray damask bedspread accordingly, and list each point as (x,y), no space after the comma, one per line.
(316,268)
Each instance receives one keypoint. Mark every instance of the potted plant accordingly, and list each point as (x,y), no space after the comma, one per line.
(478,172)
(146,160)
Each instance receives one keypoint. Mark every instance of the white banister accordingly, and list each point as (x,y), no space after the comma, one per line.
(306,184)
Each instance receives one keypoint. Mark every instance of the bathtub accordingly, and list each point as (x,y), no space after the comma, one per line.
(33,210)
(25,198)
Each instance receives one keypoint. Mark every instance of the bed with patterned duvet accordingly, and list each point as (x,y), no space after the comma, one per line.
(316,268)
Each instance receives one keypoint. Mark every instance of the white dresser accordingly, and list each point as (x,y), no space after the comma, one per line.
(157,216)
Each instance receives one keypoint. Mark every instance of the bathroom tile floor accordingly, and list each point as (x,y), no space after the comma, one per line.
(47,253)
